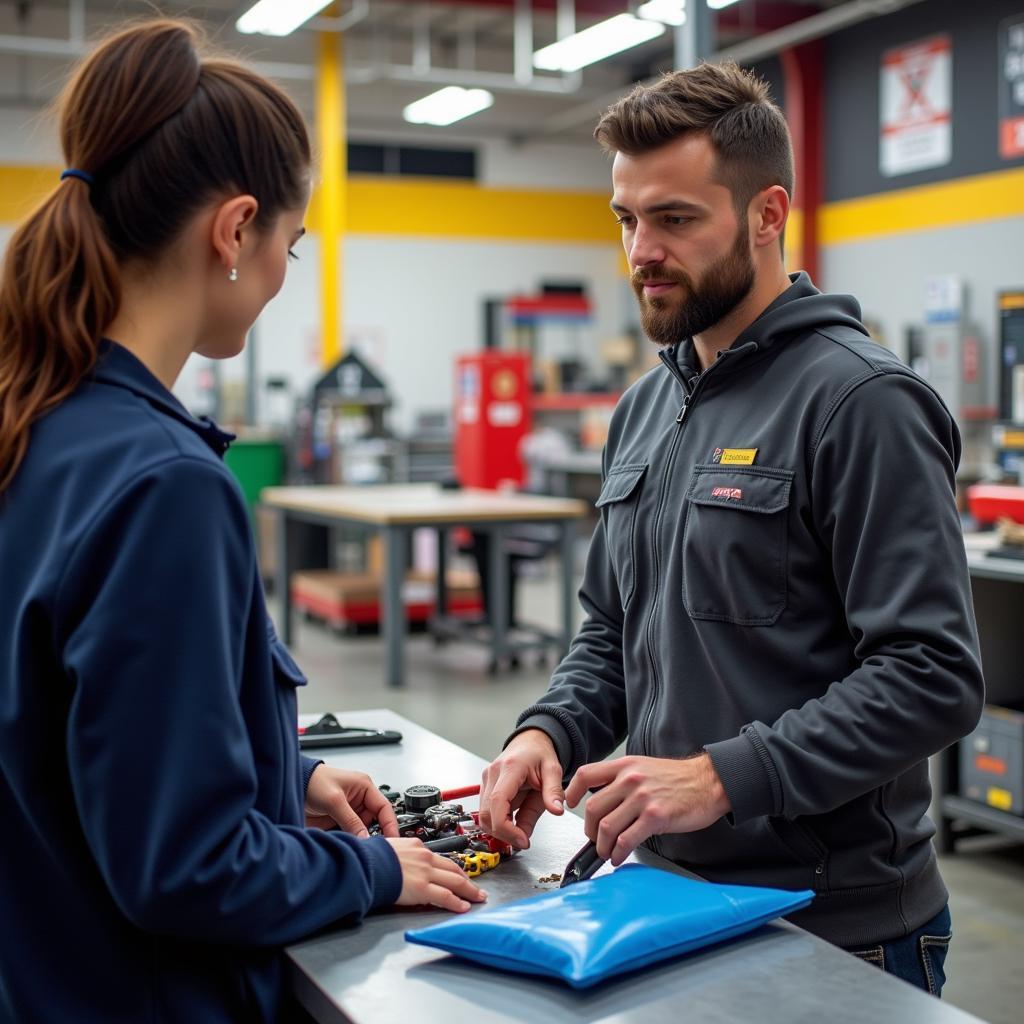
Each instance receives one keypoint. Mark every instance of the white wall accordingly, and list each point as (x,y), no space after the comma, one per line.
(549,166)
(580,168)
(889,275)
(410,305)
(28,136)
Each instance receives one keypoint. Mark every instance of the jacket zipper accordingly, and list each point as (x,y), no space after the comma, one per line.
(690,388)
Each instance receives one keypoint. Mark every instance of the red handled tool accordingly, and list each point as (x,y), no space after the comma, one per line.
(454,794)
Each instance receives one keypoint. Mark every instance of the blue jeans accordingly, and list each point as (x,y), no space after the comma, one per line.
(919,958)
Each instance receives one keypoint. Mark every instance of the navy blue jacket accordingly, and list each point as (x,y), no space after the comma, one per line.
(151,788)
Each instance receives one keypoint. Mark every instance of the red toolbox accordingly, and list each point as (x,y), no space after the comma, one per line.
(989,502)
(346,600)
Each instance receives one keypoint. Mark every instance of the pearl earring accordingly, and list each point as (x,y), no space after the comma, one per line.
(233,276)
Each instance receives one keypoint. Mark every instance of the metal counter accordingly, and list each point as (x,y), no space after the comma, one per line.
(368,974)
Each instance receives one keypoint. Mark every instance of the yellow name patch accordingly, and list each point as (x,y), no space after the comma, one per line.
(736,456)
(1001,798)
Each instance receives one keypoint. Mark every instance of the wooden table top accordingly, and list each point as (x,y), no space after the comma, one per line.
(421,504)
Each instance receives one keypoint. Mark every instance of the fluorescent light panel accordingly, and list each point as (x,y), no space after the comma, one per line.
(447,105)
(278,17)
(717,5)
(669,12)
(597,42)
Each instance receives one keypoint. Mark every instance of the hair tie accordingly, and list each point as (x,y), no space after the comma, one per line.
(81,175)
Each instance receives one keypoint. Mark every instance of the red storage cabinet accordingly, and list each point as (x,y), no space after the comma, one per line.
(492,416)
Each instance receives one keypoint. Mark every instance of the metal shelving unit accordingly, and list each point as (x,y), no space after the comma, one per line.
(990,819)
(998,586)
(429,455)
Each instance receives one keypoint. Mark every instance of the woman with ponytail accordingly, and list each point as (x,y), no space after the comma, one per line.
(154,804)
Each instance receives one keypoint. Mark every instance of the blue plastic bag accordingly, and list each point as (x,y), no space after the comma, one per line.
(593,930)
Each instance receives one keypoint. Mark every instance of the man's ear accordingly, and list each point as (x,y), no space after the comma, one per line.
(232,221)
(771,210)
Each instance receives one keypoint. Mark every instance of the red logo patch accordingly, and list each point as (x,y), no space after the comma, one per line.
(735,493)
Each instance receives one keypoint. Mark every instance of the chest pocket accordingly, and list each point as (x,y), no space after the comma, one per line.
(286,671)
(620,495)
(735,544)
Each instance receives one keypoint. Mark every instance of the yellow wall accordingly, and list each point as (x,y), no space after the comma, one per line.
(425,207)
(970,200)
(22,187)
(408,206)
(453,209)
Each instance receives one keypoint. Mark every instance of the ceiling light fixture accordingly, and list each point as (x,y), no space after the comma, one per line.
(717,5)
(597,42)
(447,105)
(278,17)
(668,12)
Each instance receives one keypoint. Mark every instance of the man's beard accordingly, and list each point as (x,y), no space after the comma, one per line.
(723,286)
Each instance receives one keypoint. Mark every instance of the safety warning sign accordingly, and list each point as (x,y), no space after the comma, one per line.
(917,106)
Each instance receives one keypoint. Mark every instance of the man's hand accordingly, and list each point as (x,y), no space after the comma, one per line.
(525,780)
(646,796)
(347,800)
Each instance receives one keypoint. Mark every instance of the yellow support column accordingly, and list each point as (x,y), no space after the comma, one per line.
(330,131)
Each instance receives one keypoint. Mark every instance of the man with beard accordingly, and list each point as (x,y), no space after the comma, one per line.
(778,614)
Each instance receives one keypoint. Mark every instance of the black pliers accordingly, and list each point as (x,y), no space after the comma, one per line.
(585,864)
(327,731)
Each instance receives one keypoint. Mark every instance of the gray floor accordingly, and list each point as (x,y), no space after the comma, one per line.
(449,691)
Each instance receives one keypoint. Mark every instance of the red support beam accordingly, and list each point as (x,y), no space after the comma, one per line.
(803,70)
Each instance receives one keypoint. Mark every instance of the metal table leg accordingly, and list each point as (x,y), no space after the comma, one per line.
(282,576)
(300,545)
(442,573)
(568,554)
(393,624)
(497,570)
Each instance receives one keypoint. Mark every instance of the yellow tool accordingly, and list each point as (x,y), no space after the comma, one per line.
(477,862)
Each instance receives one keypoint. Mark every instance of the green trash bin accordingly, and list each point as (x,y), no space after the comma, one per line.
(257,462)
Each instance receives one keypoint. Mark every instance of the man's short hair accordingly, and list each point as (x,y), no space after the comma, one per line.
(724,102)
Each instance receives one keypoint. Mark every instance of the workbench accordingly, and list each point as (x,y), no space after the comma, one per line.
(395,511)
(368,973)
(559,470)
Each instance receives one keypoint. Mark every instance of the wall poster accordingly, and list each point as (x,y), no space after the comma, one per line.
(1011,87)
(916,106)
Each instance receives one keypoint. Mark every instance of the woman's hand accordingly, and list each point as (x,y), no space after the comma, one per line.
(347,800)
(430,880)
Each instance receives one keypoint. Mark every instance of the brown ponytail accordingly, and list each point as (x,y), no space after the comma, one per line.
(161,131)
